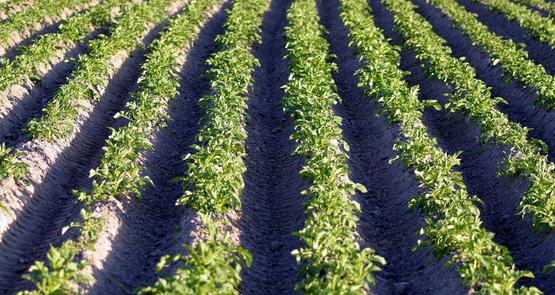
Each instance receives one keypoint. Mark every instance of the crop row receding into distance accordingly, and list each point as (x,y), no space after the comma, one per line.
(109,106)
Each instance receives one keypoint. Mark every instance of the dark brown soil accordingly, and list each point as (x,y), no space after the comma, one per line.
(272,203)
(139,232)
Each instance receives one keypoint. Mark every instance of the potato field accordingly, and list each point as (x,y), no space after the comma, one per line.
(277,147)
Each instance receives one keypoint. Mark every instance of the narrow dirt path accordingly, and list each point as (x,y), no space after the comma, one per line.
(272,204)
(386,223)
(479,163)
(150,225)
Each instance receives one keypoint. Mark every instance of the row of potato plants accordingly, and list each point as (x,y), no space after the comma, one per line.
(35,17)
(454,228)
(94,70)
(546,6)
(120,171)
(473,97)
(331,259)
(214,180)
(9,8)
(29,65)
(539,26)
(513,59)
(62,273)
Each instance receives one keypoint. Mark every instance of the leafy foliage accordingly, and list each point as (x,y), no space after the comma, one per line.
(547,6)
(94,70)
(549,267)
(62,272)
(26,65)
(513,60)
(214,180)
(120,170)
(10,166)
(10,8)
(60,276)
(32,19)
(63,267)
(332,262)
(453,221)
(543,28)
(473,97)
(213,266)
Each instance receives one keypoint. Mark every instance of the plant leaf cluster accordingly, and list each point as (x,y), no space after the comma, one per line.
(26,65)
(213,266)
(10,166)
(63,266)
(214,181)
(10,8)
(546,6)
(120,171)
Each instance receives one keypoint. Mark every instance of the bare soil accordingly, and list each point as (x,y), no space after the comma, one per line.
(138,232)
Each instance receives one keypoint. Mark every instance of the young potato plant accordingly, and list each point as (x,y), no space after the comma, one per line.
(513,60)
(10,166)
(472,97)
(453,221)
(331,260)
(214,180)
(62,274)
(539,26)
(62,269)
(212,266)
(26,66)
(31,20)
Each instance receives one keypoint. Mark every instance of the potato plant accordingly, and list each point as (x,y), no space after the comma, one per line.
(26,66)
(55,275)
(94,71)
(546,6)
(214,180)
